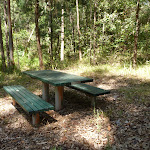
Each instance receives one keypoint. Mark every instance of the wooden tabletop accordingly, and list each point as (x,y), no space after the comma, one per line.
(56,78)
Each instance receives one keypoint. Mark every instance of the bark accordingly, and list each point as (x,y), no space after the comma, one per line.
(17,54)
(50,3)
(90,35)
(136,35)
(11,48)
(94,42)
(2,49)
(73,34)
(78,28)
(6,33)
(62,35)
(38,34)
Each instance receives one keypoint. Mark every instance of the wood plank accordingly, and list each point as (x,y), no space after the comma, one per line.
(56,78)
(36,100)
(21,99)
(20,102)
(25,98)
(28,101)
(89,89)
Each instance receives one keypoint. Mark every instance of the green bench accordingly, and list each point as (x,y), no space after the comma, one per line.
(90,90)
(30,102)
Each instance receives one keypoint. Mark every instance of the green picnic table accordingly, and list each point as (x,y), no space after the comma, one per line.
(57,79)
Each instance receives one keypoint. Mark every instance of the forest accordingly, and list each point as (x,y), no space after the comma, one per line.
(55,33)
(107,41)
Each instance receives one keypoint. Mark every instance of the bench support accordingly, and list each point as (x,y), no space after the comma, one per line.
(59,90)
(14,102)
(35,118)
(89,90)
(93,101)
(45,91)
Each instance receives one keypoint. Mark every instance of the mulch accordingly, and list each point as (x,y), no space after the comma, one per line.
(113,124)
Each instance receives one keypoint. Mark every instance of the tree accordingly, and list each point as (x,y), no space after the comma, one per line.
(78,28)
(50,28)
(6,33)
(62,35)
(136,34)
(38,34)
(11,47)
(94,30)
(2,48)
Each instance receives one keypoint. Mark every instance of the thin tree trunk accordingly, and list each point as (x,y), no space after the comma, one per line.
(136,35)
(30,36)
(6,33)
(73,36)
(90,34)
(78,27)
(11,48)
(94,42)
(51,29)
(38,34)
(17,53)
(2,49)
(62,35)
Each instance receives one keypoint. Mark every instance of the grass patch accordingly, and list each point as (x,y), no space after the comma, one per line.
(141,72)
(138,94)
(133,84)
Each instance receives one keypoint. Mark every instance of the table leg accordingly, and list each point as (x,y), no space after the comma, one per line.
(35,118)
(59,90)
(45,91)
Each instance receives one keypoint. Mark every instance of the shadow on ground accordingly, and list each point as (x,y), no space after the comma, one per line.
(119,121)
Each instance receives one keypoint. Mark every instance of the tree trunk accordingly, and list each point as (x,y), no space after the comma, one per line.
(6,33)
(94,42)
(136,35)
(51,30)
(62,35)
(73,36)
(90,33)
(78,27)
(2,49)
(38,34)
(11,48)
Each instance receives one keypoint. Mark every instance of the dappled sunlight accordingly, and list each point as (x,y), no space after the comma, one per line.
(18,121)
(9,114)
(80,129)
(6,108)
(120,119)
(38,91)
(109,71)
(139,73)
(97,134)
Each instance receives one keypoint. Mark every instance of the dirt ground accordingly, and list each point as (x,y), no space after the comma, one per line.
(114,123)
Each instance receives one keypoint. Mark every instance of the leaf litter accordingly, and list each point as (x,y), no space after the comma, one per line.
(114,124)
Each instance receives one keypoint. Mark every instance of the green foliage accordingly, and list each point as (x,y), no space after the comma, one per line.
(114,30)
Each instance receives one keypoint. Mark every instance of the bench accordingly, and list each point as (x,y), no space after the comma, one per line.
(30,102)
(90,90)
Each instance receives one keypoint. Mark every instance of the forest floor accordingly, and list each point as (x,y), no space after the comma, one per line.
(120,121)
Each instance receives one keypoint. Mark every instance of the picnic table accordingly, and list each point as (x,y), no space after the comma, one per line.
(57,79)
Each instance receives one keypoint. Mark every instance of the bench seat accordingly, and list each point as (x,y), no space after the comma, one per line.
(30,102)
(90,90)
